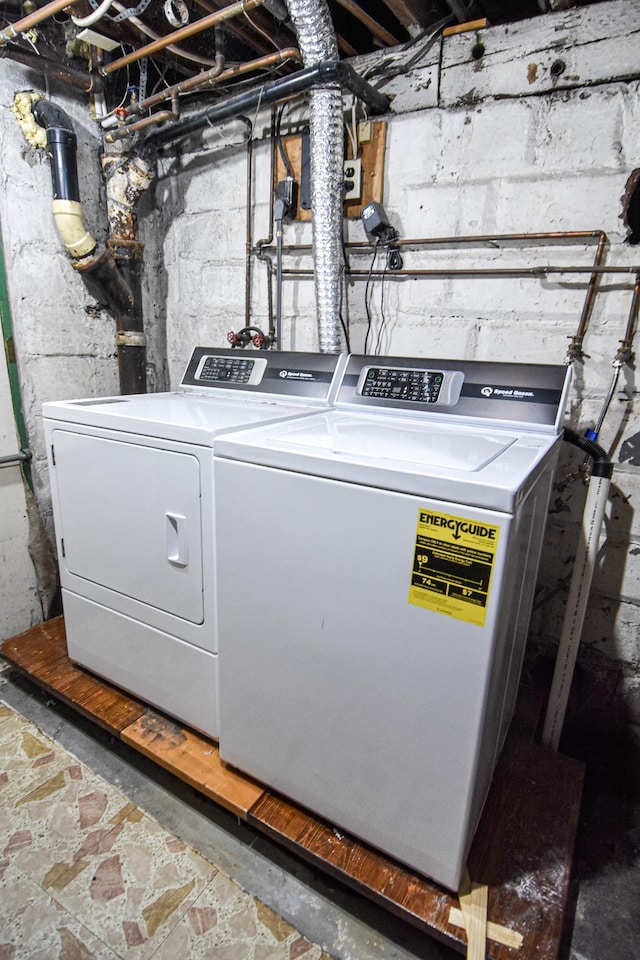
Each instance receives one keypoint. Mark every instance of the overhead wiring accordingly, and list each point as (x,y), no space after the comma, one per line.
(419,46)
(98,14)
(259,30)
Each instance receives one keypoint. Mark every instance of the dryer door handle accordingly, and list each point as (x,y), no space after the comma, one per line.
(177,542)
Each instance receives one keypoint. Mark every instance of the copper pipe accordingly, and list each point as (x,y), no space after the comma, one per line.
(234,27)
(233,10)
(209,77)
(133,21)
(264,244)
(625,354)
(535,272)
(33,19)
(163,116)
(249,224)
(376,28)
(492,240)
(574,350)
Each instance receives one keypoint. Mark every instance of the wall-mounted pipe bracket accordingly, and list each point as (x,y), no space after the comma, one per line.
(130,338)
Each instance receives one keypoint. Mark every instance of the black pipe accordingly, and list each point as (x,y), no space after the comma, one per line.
(61,144)
(87,82)
(602,466)
(329,72)
(116,272)
(130,338)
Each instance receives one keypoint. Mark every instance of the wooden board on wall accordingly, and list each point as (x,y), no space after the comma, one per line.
(371,153)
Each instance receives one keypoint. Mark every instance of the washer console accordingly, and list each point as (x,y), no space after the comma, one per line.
(213,368)
(412,385)
(533,395)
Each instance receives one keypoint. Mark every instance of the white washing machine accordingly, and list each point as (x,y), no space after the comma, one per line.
(369,670)
(132,481)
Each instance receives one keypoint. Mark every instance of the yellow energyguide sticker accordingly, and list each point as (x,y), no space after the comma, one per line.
(452,565)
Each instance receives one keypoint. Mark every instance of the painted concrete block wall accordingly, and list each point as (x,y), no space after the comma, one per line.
(19,601)
(64,338)
(64,342)
(475,145)
(508,143)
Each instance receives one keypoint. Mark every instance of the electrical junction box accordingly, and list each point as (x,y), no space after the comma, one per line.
(352,179)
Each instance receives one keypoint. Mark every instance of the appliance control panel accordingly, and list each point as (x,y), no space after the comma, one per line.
(533,395)
(214,369)
(410,384)
(266,373)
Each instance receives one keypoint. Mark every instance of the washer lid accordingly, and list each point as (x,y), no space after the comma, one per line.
(389,440)
(189,418)
(464,464)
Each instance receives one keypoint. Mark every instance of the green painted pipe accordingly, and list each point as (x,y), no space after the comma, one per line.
(12,369)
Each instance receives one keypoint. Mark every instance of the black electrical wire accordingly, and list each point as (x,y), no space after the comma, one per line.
(343,324)
(279,143)
(367,305)
(344,270)
(383,319)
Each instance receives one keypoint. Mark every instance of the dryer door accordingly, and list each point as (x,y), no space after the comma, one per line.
(128,518)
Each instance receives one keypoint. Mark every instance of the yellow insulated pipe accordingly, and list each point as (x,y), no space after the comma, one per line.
(69,220)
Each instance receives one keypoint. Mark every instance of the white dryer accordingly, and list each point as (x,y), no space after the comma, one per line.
(132,482)
(372,676)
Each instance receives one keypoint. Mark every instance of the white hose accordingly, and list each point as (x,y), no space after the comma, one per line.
(583,570)
(92,18)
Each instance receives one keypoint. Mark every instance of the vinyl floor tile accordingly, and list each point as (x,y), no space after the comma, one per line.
(225,924)
(84,873)
(138,882)
(44,930)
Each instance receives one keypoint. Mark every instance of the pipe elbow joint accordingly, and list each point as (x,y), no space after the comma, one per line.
(70,224)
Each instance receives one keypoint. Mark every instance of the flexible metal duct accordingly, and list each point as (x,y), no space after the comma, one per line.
(317,40)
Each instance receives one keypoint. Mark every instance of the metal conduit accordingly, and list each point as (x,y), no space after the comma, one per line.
(329,72)
(23,457)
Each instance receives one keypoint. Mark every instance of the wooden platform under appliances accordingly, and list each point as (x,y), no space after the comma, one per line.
(522,850)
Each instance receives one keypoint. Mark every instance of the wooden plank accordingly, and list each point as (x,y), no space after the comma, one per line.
(194,759)
(524,845)
(372,155)
(41,654)
(473,903)
(480,24)
(522,852)
(562,50)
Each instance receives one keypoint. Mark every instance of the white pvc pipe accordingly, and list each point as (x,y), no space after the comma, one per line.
(583,570)
(93,17)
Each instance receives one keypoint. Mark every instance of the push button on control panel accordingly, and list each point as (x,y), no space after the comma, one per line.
(226,370)
(221,370)
(419,386)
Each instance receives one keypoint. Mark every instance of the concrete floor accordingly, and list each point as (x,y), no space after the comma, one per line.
(603,920)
